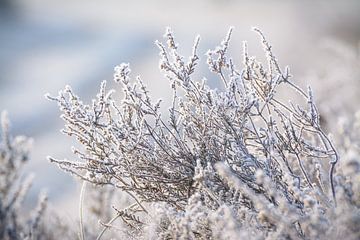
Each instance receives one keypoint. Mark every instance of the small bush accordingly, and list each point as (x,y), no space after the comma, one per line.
(14,153)
(224,164)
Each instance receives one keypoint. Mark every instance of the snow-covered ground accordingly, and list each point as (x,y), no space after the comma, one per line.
(45,45)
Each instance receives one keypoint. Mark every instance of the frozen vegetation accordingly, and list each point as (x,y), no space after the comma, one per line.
(237,162)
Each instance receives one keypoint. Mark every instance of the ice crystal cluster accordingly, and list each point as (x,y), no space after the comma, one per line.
(237,162)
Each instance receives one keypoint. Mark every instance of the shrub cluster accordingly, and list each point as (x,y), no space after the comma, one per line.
(228,163)
(14,153)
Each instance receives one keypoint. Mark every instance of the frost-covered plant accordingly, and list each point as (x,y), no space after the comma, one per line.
(349,137)
(14,153)
(224,163)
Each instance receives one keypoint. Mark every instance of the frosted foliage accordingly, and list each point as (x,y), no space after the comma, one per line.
(228,163)
(14,224)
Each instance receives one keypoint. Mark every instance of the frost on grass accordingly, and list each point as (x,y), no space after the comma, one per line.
(229,162)
(14,153)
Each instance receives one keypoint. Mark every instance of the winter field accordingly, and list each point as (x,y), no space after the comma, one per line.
(232,147)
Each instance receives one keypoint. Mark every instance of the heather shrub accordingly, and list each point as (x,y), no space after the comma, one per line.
(14,153)
(238,161)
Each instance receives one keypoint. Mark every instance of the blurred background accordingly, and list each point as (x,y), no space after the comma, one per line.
(45,45)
